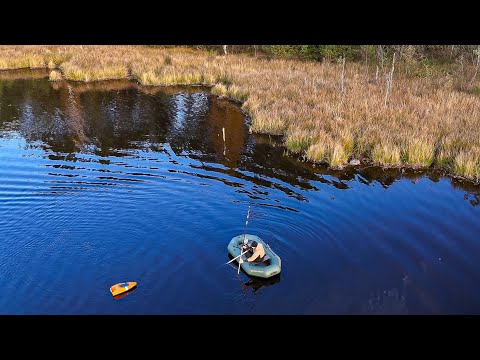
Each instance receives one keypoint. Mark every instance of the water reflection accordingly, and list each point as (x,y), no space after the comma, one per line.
(113,118)
(256,284)
(24,74)
(390,301)
(473,199)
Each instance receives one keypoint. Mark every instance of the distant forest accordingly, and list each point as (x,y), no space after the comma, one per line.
(425,53)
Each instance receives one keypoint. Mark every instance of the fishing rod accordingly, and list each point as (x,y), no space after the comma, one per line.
(246,224)
(236,257)
(243,240)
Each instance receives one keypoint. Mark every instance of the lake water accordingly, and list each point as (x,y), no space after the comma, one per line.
(109,182)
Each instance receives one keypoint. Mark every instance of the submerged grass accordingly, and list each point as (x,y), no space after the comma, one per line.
(326,113)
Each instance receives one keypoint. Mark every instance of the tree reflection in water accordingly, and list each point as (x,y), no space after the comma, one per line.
(116,118)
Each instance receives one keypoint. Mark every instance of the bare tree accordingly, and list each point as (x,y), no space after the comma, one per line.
(476,52)
(380,55)
(342,76)
(366,63)
(389,80)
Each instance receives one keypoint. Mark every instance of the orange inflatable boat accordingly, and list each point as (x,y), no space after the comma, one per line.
(123,287)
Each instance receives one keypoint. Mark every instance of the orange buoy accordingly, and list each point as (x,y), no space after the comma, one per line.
(123,287)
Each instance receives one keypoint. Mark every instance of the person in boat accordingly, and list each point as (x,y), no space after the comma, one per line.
(258,253)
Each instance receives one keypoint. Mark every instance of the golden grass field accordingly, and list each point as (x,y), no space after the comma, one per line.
(327,112)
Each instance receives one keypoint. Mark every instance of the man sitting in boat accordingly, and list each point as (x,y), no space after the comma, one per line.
(258,252)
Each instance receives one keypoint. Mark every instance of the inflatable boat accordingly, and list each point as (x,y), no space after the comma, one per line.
(271,264)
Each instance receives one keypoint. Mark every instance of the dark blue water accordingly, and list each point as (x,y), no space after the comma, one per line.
(101,184)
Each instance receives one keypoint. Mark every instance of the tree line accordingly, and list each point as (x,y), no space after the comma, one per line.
(426,53)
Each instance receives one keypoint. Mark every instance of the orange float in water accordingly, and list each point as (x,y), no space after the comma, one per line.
(123,287)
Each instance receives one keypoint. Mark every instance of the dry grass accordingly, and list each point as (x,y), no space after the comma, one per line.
(33,56)
(426,121)
(55,75)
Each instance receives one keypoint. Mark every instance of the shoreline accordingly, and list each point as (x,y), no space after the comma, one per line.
(364,162)
(410,172)
(334,148)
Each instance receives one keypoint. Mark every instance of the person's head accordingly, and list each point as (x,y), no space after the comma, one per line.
(254,244)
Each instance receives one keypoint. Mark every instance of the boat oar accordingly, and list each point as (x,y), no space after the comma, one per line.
(236,257)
